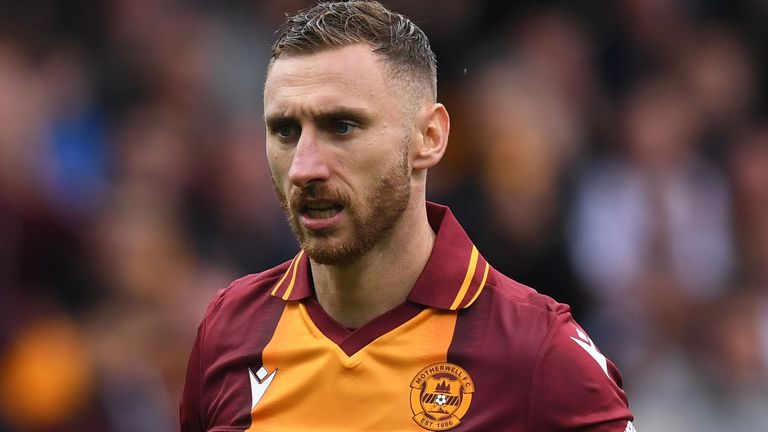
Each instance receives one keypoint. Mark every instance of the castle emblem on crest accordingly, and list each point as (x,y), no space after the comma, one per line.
(440,396)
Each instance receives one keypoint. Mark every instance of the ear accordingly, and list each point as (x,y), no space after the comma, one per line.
(436,125)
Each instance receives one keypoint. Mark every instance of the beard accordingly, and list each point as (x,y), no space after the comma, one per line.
(372,216)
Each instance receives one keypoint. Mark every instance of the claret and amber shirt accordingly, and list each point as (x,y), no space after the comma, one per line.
(470,350)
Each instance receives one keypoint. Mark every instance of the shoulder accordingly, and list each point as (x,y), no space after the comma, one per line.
(520,301)
(573,385)
(550,326)
(247,292)
(243,312)
(517,316)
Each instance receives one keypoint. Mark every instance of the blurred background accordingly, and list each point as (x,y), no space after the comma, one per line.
(612,154)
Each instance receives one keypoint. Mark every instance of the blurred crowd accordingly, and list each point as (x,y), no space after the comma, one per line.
(611,154)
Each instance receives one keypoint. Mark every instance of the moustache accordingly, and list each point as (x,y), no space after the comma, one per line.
(314,192)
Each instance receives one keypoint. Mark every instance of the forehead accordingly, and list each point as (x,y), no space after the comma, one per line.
(351,75)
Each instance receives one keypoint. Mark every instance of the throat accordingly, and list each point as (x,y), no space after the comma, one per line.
(353,307)
(353,297)
(355,293)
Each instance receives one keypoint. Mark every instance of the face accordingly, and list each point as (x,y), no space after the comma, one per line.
(337,144)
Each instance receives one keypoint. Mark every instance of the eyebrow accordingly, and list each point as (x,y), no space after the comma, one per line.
(357,115)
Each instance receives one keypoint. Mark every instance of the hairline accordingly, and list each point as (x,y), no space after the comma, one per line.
(415,92)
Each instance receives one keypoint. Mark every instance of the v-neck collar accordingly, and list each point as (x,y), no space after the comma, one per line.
(352,341)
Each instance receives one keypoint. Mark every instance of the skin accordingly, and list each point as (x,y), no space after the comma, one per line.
(336,130)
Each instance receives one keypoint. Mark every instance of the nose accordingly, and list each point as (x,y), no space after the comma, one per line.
(310,161)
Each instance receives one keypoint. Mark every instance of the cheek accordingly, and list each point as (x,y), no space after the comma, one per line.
(279,164)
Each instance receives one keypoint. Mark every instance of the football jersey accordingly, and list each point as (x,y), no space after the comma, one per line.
(470,349)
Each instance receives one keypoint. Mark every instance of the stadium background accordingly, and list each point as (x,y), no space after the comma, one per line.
(612,154)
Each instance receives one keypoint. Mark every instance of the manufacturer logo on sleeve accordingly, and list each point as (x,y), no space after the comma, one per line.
(440,396)
(586,343)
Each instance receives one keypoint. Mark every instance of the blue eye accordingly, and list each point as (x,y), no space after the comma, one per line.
(285,131)
(342,128)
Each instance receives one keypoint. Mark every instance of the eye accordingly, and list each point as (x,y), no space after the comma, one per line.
(285,131)
(342,128)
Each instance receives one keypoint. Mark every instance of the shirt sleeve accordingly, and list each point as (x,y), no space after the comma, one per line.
(575,387)
(190,414)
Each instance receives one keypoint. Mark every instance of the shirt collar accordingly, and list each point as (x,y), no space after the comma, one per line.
(453,278)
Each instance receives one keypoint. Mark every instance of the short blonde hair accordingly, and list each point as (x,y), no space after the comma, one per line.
(329,25)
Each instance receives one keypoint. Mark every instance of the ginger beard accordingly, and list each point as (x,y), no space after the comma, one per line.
(372,216)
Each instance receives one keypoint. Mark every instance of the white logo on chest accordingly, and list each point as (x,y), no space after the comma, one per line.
(260,381)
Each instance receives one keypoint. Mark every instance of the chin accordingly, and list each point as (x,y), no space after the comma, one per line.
(334,252)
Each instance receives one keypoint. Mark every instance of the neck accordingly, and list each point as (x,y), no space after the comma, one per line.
(355,293)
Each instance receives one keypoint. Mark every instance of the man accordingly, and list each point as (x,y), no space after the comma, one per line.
(388,318)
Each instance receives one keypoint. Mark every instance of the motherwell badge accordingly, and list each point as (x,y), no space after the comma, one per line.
(440,396)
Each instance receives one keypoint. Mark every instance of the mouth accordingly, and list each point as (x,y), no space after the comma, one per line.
(320,215)
(320,209)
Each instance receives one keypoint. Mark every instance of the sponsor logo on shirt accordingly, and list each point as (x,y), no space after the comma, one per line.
(440,396)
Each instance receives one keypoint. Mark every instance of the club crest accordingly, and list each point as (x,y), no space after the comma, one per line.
(440,396)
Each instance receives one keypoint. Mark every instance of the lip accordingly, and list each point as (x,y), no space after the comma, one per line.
(318,224)
(315,223)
